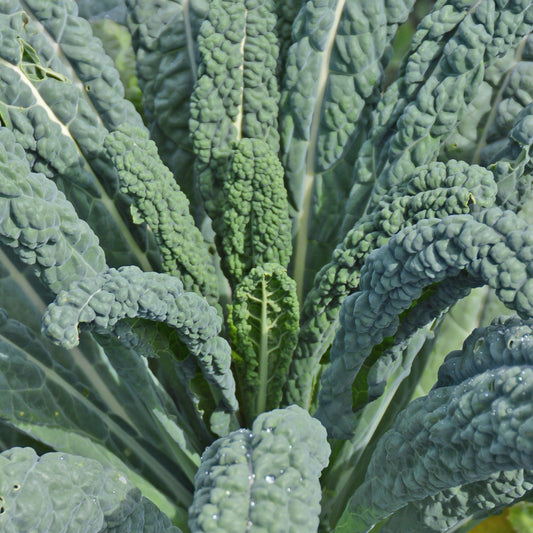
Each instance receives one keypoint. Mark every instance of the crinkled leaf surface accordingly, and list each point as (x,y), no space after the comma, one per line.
(492,246)
(473,431)
(434,190)
(263,324)
(60,107)
(334,74)
(263,479)
(62,492)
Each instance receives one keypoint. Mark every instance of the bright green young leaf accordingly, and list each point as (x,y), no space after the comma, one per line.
(263,322)
(236,95)
(521,516)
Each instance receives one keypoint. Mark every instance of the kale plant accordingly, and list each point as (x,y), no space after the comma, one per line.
(277,294)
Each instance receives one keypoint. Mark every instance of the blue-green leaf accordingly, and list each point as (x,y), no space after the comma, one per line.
(264,479)
(443,258)
(64,492)
(463,449)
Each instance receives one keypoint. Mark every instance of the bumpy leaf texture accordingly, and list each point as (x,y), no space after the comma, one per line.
(465,449)
(41,225)
(432,191)
(263,327)
(63,492)
(159,202)
(257,229)
(333,78)
(491,247)
(449,53)
(60,106)
(236,95)
(164,35)
(266,479)
(70,401)
(504,92)
(130,293)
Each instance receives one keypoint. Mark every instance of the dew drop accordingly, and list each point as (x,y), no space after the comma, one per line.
(270,479)
(249,523)
(289,489)
(251,477)
(252,503)
(214,516)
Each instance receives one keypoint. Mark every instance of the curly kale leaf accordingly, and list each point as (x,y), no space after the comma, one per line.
(40,225)
(434,190)
(60,95)
(129,293)
(60,492)
(164,35)
(512,165)
(159,202)
(429,265)
(503,94)
(262,479)
(439,78)
(263,328)
(257,228)
(333,78)
(236,95)
(471,437)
